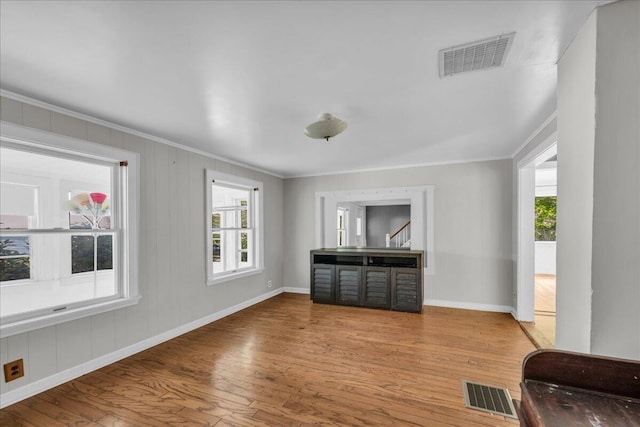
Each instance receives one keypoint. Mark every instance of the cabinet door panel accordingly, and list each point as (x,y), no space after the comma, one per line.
(322,283)
(348,281)
(406,292)
(377,288)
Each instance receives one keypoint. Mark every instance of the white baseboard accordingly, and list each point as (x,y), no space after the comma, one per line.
(469,306)
(58,378)
(296,290)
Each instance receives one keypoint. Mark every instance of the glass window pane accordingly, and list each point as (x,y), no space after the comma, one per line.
(244,212)
(14,269)
(16,198)
(215,220)
(82,254)
(105,252)
(28,176)
(14,221)
(14,245)
(89,209)
(216,247)
(15,263)
(244,241)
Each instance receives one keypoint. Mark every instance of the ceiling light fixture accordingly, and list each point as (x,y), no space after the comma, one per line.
(326,127)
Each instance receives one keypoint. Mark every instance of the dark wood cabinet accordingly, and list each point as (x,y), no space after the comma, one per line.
(379,278)
(376,287)
(322,279)
(561,388)
(406,289)
(348,280)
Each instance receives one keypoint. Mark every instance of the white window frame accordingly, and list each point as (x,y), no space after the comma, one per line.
(127,241)
(257,220)
(343,229)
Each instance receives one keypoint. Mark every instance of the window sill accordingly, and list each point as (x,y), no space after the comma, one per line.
(21,326)
(234,276)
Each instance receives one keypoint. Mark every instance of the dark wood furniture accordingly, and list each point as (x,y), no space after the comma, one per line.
(571,389)
(376,278)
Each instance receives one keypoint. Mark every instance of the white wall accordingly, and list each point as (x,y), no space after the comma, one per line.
(472,228)
(599,186)
(172,257)
(545,258)
(383,220)
(616,192)
(576,124)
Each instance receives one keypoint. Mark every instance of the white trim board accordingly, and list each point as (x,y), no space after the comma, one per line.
(51,107)
(469,306)
(94,120)
(31,389)
(291,290)
(535,133)
(525,245)
(405,166)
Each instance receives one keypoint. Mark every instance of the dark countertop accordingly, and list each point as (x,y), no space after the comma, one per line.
(369,251)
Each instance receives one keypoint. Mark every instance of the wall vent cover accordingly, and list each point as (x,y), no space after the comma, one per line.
(494,400)
(480,55)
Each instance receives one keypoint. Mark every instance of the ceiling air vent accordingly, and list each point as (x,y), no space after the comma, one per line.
(480,55)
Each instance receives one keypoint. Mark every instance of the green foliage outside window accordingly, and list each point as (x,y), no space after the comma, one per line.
(82,253)
(13,268)
(244,237)
(546,219)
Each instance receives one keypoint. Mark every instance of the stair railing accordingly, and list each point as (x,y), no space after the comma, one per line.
(400,238)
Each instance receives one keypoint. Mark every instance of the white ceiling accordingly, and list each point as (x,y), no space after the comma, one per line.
(241,80)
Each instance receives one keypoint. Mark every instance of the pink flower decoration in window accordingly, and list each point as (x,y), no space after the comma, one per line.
(92,206)
(98,197)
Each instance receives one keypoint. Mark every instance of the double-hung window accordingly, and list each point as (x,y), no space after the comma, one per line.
(67,229)
(343,215)
(234,226)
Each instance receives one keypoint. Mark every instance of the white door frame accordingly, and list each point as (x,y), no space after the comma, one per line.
(525,264)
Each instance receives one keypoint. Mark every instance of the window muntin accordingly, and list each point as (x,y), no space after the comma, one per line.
(51,285)
(234,226)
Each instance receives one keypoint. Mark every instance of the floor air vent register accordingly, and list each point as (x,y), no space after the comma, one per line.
(494,400)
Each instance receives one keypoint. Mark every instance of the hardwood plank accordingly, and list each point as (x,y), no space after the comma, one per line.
(113,421)
(289,362)
(11,417)
(545,293)
(22,412)
(59,398)
(542,331)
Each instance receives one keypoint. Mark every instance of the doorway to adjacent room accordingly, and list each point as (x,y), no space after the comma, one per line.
(537,201)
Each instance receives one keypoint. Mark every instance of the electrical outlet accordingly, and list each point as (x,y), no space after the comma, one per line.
(13,370)
(269,283)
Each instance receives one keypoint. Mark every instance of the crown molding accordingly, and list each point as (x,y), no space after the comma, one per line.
(37,103)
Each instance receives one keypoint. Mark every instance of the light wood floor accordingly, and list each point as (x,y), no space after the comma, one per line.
(543,328)
(289,362)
